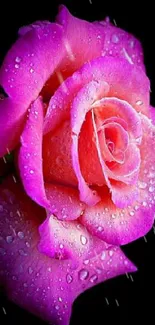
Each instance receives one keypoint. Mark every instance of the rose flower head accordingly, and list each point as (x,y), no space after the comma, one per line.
(77,115)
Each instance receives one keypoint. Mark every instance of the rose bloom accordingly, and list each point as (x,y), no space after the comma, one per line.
(78,118)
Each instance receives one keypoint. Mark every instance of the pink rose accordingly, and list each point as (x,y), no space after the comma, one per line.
(78,115)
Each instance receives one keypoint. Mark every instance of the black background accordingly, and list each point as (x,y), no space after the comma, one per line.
(134,294)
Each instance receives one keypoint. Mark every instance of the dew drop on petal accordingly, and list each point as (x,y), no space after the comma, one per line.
(115,38)
(83,274)
(94,278)
(111,253)
(131,213)
(17,59)
(20,234)
(69,278)
(139,102)
(86,262)
(103,256)
(151,189)
(30,270)
(60,299)
(100,228)
(83,240)
(142,185)
(9,239)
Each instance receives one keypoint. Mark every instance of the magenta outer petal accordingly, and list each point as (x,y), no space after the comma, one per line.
(45,286)
(64,201)
(96,39)
(26,67)
(12,119)
(30,155)
(121,226)
(31,61)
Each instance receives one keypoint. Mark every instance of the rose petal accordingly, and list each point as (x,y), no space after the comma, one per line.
(30,62)
(81,105)
(135,92)
(88,156)
(30,155)
(111,107)
(128,171)
(96,39)
(152,111)
(45,286)
(121,44)
(121,226)
(64,239)
(113,134)
(57,159)
(26,67)
(120,197)
(12,119)
(64,201)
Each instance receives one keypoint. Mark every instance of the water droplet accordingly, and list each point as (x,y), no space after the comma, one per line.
(60,299)
(113,216)
(111,253)
(31,70)
(126,262)
(31,171)
(30,270)
(83,274)
(86,262)
(136,207)
(69,278)
(142,185)
(25,285)
(103,256)
(20,234)
(49,269)
(17,59)
(132,42)
(27,244)
(57,307)
(115,38)
(9,239)
(144,203)
(93,278)
(83,240)
(61,246)
(131,213)
(98,270)
(151,189)
(22,252)
(100,228)
(14,278)
(139,102)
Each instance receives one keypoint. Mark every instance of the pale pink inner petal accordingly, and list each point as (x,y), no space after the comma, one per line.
(81,105)
(113,141)
(114,107)
(109,174)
